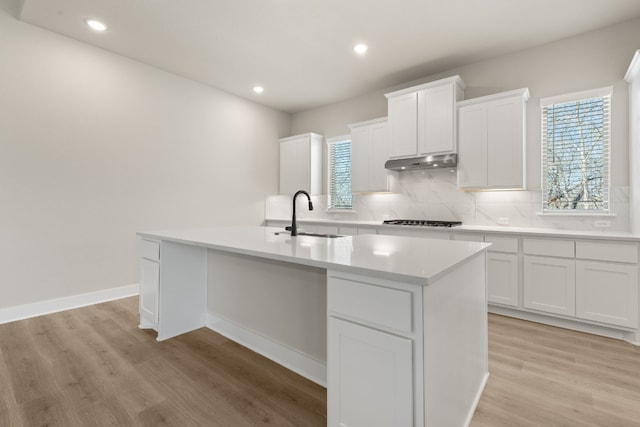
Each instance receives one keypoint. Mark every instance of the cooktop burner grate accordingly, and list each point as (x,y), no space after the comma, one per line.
(422,222)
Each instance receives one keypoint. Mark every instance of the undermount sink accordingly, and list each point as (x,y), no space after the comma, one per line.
(304,233)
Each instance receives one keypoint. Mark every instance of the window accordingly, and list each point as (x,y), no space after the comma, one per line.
(339,163)
(575,152)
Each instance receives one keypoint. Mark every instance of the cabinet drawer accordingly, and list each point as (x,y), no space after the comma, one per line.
(150,250)
(617,252)
(348,231)
(377,305)
(469,237)
(549,247)
(502,244)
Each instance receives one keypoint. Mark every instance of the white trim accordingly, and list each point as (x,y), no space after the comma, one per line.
(476,401)
(453,79)
(579,325)
(577,213)
(26,311)
(368,122)
(634,68)
(576,96)
(523,92)
(300,363)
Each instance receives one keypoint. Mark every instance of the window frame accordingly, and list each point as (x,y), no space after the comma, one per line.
(331,142)
(606,94)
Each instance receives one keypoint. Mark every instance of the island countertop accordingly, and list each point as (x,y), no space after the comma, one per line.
(407,259)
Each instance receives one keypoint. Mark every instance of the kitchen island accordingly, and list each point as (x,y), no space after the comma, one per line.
(396,327)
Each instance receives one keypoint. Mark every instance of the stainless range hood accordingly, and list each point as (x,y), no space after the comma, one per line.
(424,162)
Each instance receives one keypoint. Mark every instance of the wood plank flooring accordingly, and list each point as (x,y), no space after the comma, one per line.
(92,366)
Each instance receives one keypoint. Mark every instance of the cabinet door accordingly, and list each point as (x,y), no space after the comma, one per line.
(505,139)
(607,292)
(149,289)
(403,120)
(360,141)
(370,378)
(379,152)
(502,278)
(472,146)
(550,285)
(436,120)
(294,166)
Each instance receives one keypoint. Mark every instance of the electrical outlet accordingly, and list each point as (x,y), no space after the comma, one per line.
(602,224)
(503,220)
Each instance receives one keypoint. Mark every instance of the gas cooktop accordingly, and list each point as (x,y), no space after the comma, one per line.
(422,222)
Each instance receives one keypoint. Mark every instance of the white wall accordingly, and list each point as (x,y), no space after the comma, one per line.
(94,147)
(591,60)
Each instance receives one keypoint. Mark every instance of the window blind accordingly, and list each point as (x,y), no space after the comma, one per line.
(339,163)
(575,152)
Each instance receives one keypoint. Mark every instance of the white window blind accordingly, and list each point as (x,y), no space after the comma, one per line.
(339,163)
(575,152)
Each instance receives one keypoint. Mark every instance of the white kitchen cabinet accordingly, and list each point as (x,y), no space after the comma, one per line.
(375,377)
(491,141)
(607,282)
(549,284)
(420,232)
(301,164)
(502,278)
(422,118)
(370,148)
(607,292)
(149,283)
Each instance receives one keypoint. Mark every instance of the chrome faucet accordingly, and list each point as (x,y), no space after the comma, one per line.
(294,226)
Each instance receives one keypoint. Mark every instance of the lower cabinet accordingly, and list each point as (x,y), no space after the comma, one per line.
(376,378)
(607,292)
(502,278)
(550,285)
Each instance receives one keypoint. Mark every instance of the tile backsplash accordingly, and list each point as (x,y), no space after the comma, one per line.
(433,194)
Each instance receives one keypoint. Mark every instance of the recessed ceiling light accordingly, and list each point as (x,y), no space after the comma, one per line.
(96,25)
(360,48)
(258,89)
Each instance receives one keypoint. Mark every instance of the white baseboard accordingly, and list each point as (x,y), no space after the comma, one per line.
(302,364)
(25,311)
(476,400)
(629,336)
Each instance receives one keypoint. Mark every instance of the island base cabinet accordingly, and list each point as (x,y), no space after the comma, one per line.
(149,289)
(370,380)
(607,292)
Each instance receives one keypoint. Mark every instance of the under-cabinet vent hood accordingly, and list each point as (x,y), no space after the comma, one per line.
(424,162)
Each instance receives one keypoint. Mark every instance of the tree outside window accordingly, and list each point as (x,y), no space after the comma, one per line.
(575,152)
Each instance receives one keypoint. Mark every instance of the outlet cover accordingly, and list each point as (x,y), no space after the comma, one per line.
(602,224)
(503,220)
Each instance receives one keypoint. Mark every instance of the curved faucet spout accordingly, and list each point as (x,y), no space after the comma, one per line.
(294,226)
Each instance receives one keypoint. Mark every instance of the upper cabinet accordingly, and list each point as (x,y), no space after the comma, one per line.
(491,141)
(370,147)
(422,119)
(301,164)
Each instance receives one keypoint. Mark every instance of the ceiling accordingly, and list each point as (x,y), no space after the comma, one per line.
(301,50)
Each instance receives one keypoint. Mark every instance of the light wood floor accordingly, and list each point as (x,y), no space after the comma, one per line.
(93,367)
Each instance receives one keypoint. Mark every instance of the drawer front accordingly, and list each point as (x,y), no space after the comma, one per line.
(150,249)
(600,251)
(502,244)
(549,247)
(375,305)
(348,231)
(469,237)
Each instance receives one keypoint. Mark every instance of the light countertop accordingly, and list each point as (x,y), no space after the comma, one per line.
(525,231)
(406,259)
